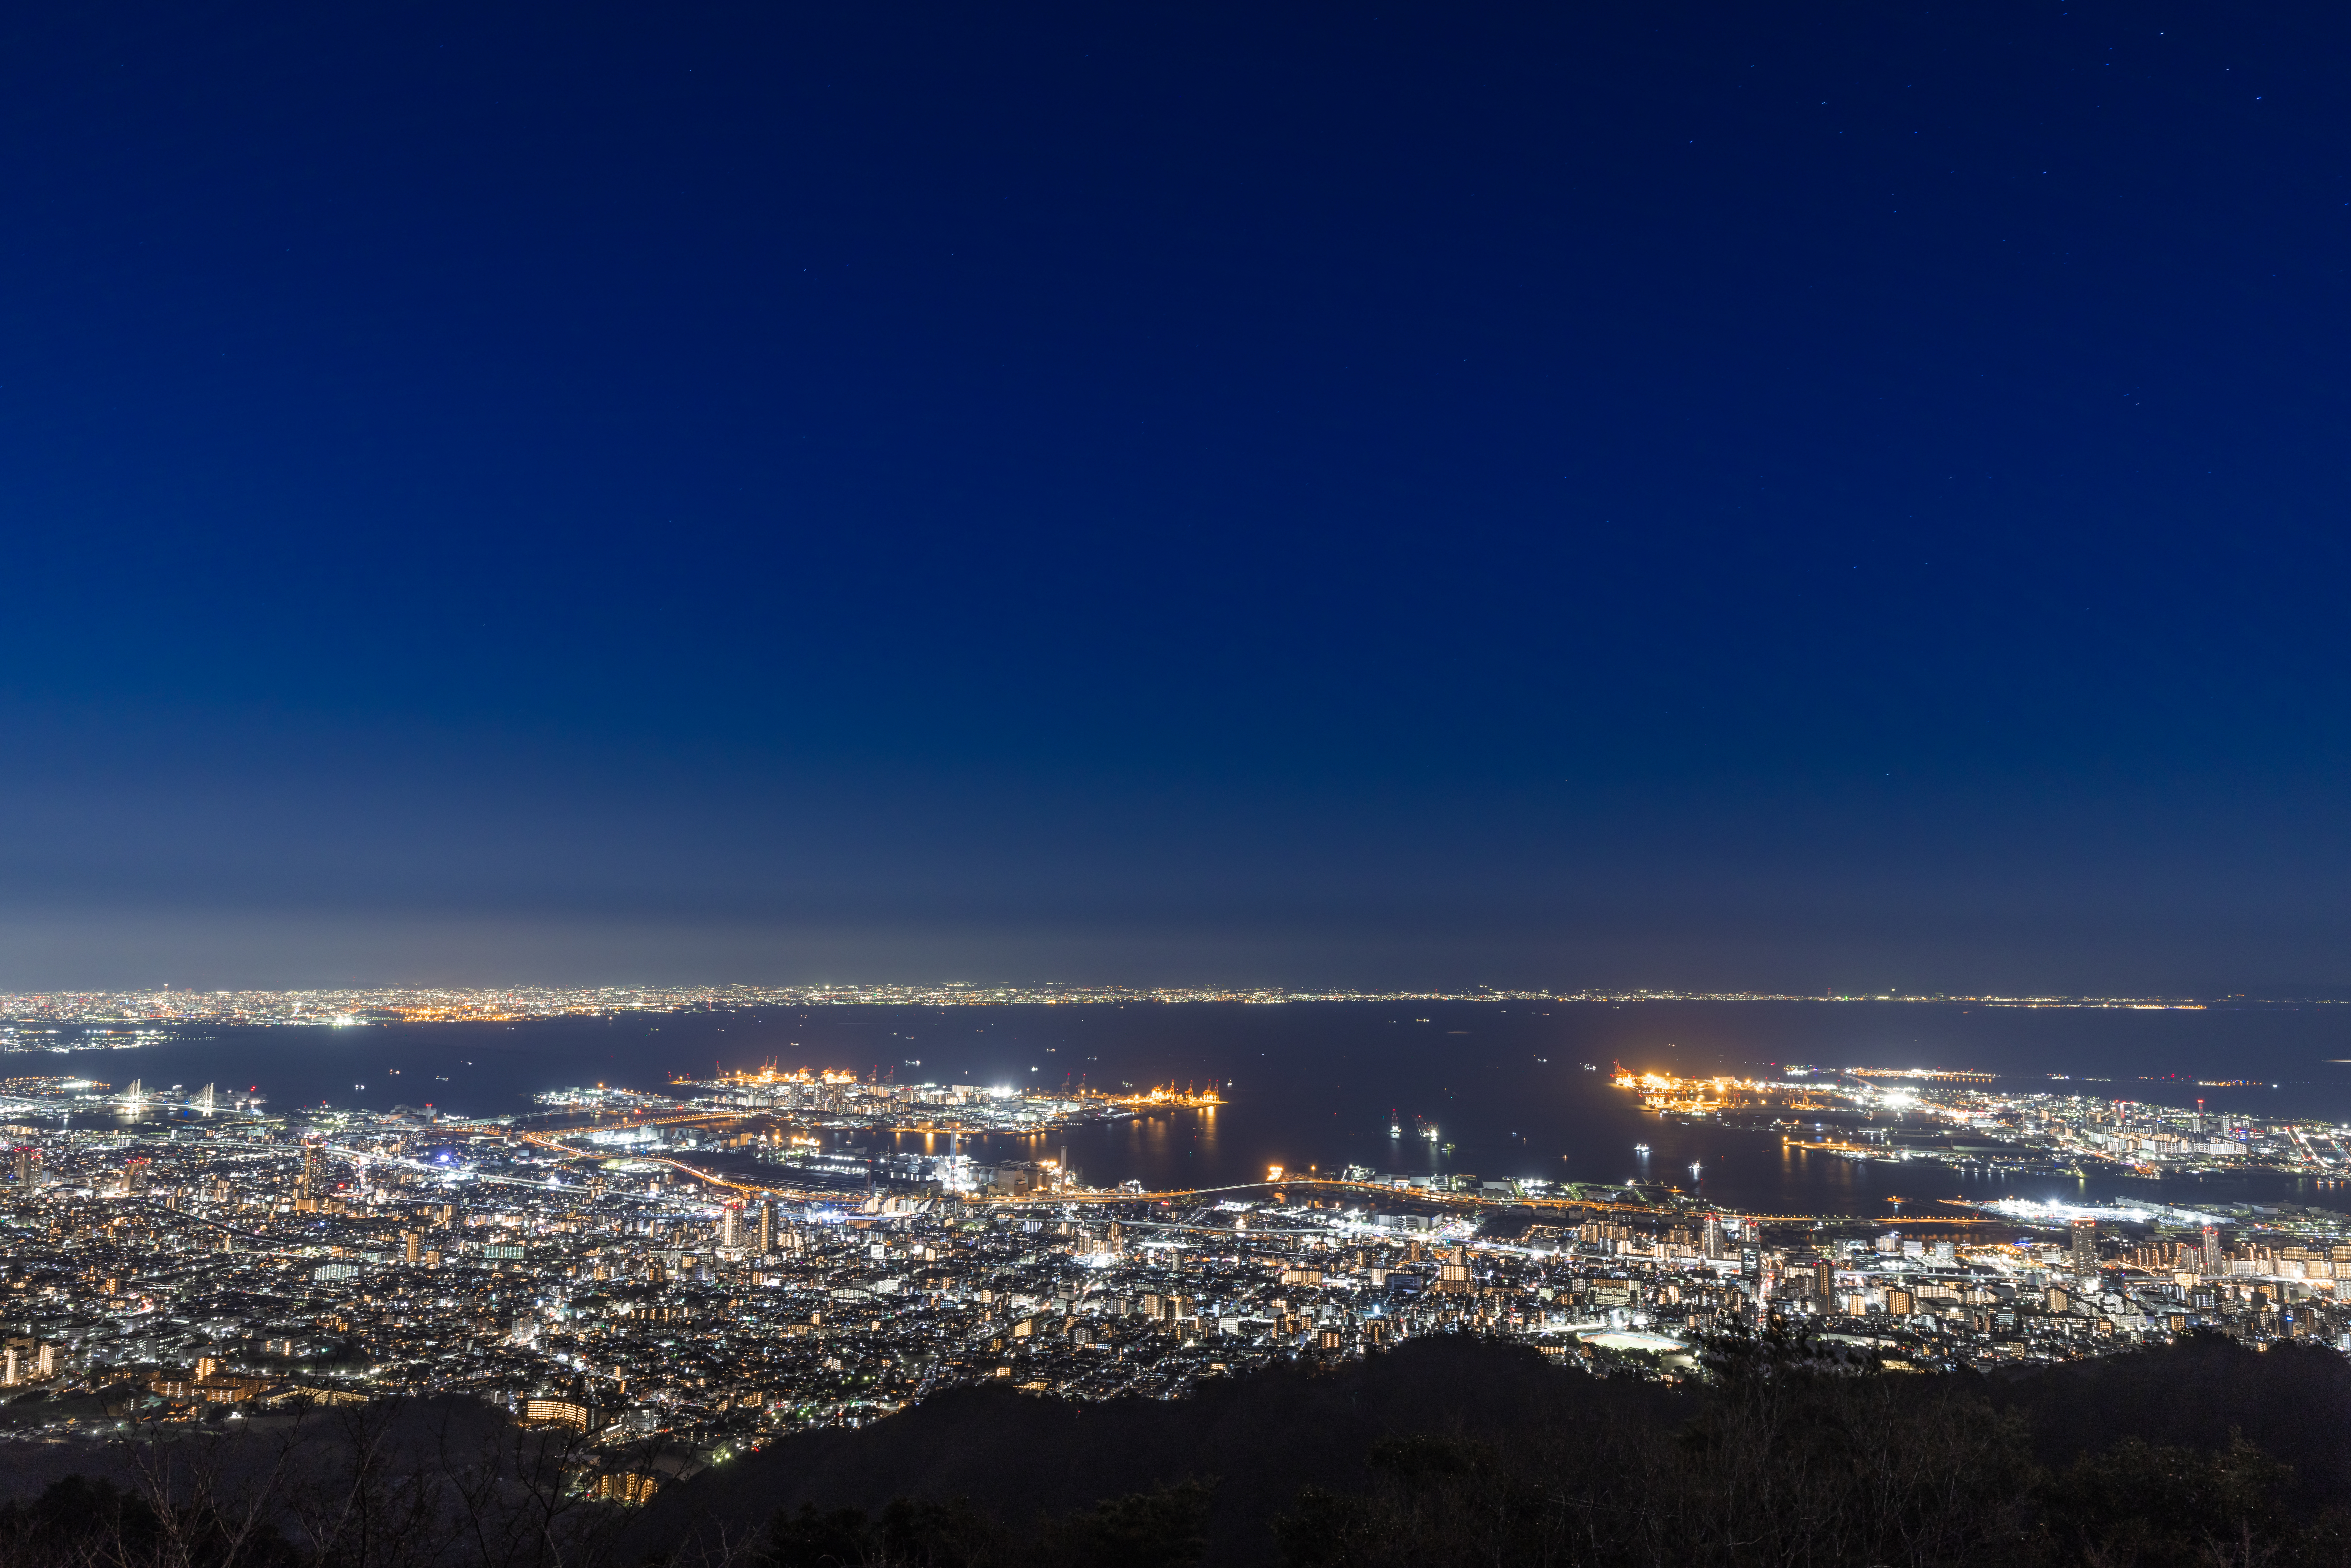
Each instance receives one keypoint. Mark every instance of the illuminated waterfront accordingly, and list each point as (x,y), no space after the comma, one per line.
(1318,1086)
(574,1218)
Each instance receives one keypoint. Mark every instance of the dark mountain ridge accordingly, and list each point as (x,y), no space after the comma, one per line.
(1266,1438)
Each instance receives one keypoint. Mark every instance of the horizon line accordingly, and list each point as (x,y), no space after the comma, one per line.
(386,1004)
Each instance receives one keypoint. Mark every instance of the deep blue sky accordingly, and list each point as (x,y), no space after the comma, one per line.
(1801,496)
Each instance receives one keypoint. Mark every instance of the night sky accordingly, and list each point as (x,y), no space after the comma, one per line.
(1790,496)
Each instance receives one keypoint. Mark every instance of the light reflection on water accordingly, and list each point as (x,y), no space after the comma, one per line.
(1315,1085)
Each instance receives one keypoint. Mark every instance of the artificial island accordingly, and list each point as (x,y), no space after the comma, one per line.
(725,1260)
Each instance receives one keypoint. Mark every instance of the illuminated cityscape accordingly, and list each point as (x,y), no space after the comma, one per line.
(1415,785)
(130,1012)
(721,1262)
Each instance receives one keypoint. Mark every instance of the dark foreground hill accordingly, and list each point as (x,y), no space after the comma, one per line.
(1365,1444)
(2294,1404)
(1448,1452)
(1261,1437)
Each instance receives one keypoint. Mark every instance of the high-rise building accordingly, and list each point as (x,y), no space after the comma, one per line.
(2085,1246)
(767,1229)
(730,1226)
(625,1485)
(2211,1250)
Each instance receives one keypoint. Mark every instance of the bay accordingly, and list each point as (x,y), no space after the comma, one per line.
(1317,1086)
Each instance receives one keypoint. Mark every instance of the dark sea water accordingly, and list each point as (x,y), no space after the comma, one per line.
(1316,1084)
